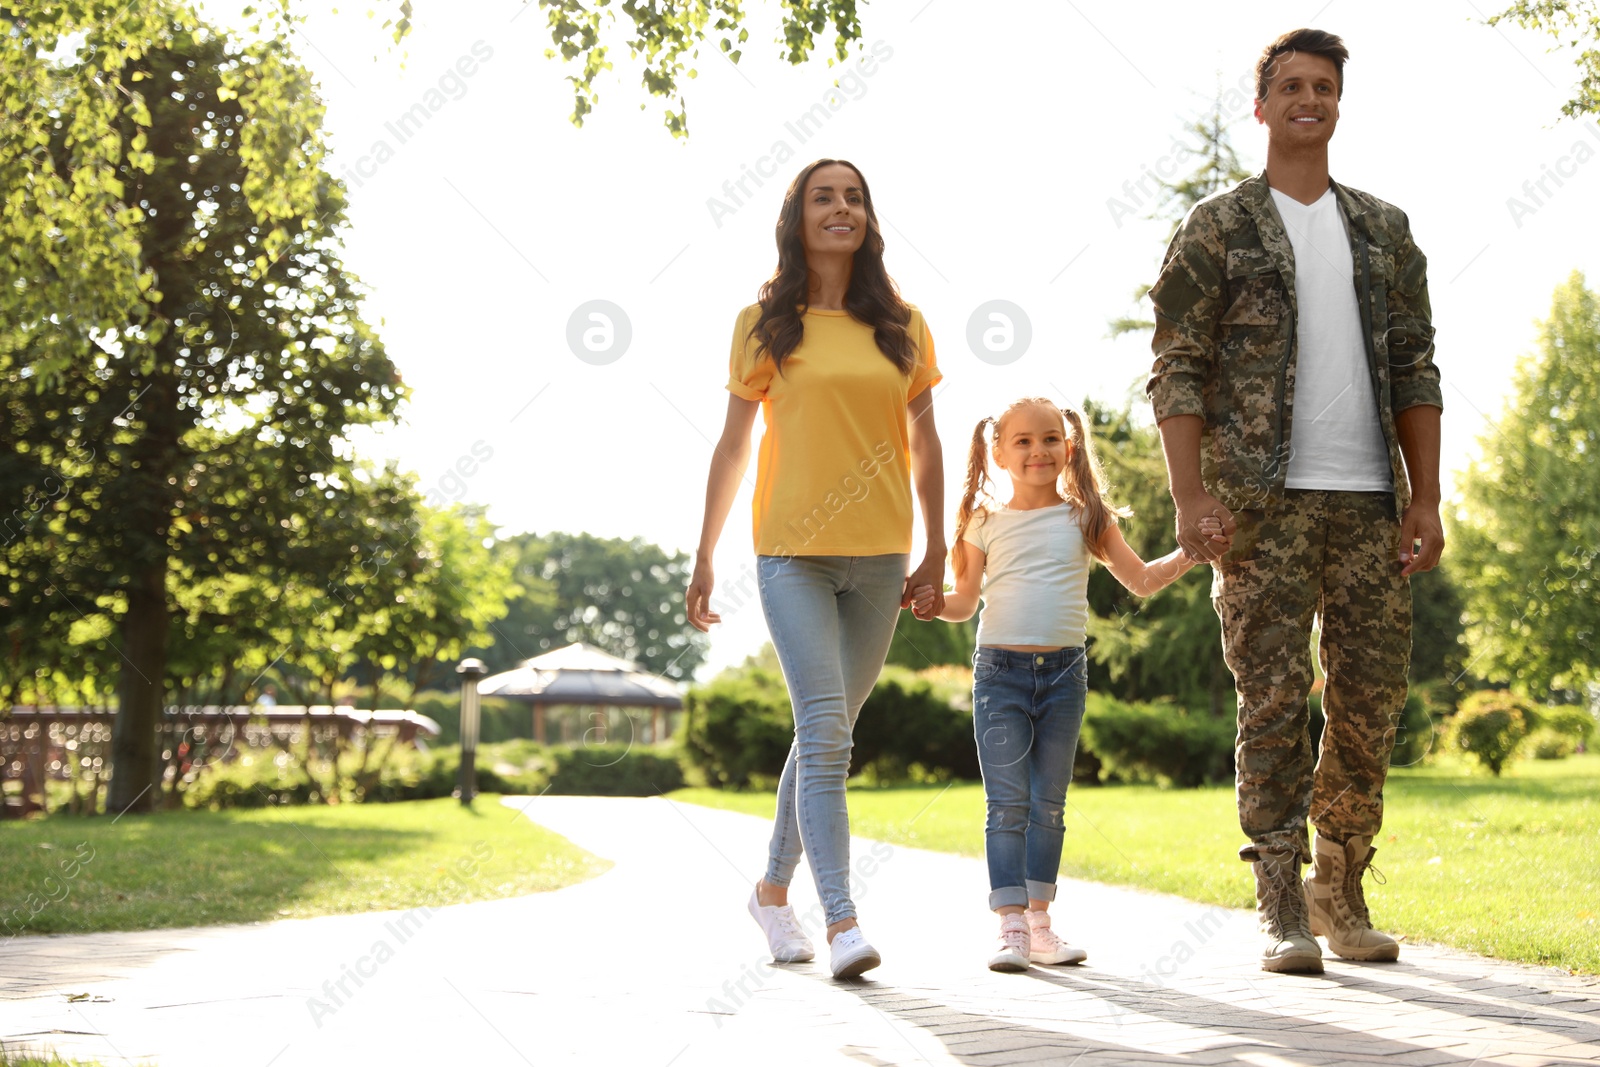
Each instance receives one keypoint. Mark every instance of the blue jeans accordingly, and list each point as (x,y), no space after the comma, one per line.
(1027,708)
(831,619)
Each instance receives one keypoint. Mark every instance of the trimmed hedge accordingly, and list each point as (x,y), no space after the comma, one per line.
(1157,743)
(1490,726)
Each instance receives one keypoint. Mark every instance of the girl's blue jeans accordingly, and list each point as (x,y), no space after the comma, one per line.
(1027,709)
(831,619)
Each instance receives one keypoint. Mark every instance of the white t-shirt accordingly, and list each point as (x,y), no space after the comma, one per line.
(1336,440)
(1035,576)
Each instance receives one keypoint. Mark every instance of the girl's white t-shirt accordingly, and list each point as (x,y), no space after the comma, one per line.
(1035,576)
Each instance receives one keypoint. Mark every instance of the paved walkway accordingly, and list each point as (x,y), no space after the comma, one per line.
(655,964)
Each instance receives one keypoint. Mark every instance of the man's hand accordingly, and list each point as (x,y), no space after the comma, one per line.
(1421,524)
(1203,545)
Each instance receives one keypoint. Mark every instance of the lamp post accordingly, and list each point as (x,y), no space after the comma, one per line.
(470,670)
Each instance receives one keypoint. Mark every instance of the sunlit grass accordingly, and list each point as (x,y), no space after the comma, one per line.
(1508,867)
(67,874)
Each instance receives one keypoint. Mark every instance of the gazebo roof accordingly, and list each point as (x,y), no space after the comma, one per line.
(584,675)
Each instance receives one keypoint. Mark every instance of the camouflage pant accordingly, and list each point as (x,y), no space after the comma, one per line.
(1334,555)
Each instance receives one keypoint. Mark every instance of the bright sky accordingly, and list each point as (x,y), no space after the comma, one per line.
(995,145)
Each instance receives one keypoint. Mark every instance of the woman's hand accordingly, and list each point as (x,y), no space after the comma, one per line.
(931,575)
(699,598)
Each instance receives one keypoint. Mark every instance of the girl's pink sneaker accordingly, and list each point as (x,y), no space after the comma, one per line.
(1045,946)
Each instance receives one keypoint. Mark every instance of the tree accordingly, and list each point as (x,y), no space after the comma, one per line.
(1527,526)
(624,596)
(199,354)
(1168,645)
(1218,168)
(664,33)
(1576,24)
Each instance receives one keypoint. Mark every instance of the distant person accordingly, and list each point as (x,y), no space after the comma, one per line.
(841,368)
(1029,676)
(1298,402)
(268,697)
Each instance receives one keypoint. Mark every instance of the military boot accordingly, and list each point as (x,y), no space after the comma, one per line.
(1338,908)
(1281,907)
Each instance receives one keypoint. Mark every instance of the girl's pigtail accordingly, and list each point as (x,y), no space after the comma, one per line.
(1084,483)
(977,480)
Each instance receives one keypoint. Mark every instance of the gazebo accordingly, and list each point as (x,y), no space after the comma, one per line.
(584,676)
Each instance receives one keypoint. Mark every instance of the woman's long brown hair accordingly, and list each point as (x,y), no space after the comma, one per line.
(1082,483)
(872,297)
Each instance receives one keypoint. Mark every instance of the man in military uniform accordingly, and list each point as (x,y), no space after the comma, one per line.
(1298,401)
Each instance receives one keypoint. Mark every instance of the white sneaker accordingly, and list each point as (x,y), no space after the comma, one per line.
(1013,950)
(789,943)
(1044,946)
(850,954)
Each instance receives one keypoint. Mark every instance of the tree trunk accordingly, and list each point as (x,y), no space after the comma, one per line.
(140,690)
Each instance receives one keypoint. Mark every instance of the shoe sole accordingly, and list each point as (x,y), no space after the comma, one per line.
(1378,954)
(1043,957)
(1008,965)
(1297,964)
(860,965)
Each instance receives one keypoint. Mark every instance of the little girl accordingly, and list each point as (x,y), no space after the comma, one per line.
(1028,678)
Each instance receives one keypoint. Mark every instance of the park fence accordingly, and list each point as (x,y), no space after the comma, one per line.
(72,746)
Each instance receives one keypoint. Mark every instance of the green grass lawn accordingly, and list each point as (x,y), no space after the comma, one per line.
(1507,867)
(67,874)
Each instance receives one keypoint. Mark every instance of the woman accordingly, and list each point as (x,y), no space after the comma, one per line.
(841,367)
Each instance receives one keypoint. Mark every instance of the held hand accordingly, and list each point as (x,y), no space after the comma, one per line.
(1208,542)
(698,599)
(922,603)
(1421,524)
(930,574)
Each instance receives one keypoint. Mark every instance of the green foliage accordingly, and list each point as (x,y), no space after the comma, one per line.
(1557,732)
(1169,645)
(613,771)
(1489,727)
(919,645)
(910,728)
(623,596)
(1571,23)
(738,727)
(499,719)
(1158,743)
(1525,526)
(1437,648)
(668,36)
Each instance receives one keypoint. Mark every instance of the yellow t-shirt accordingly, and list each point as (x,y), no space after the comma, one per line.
(834,474)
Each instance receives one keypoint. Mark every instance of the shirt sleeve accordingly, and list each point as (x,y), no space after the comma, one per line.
(926,372)
(1187,298)
(749,369)
(975,533)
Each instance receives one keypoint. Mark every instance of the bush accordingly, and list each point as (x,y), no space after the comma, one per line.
(1489,727)
(738,726)
(909,730)
(1158,742)
(1569,721)
(1545,743)
(613,771)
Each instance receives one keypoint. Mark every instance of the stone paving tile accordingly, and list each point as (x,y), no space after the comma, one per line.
(518,980)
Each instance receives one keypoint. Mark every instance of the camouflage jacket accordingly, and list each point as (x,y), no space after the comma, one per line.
(1225,341)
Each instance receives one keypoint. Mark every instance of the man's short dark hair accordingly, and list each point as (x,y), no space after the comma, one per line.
(1316,42)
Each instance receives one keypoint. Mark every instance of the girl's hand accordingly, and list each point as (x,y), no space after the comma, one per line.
(1211,528)
(930,574)
(699,598)
(922,603)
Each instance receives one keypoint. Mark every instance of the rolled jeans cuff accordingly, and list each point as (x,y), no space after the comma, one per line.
(1045,891)
(1011,896)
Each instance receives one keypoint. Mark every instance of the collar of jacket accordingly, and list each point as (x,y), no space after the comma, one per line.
(1257,196)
